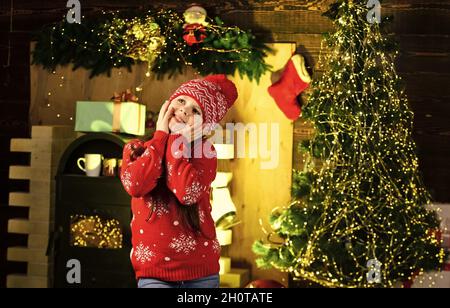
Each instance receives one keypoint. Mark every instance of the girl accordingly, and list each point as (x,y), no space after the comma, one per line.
(173,234)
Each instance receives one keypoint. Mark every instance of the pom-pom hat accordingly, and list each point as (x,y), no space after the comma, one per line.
(215,94)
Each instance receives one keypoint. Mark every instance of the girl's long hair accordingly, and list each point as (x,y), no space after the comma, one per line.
(190,217)
(189,213)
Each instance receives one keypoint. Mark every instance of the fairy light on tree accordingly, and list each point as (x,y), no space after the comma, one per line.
(360,199)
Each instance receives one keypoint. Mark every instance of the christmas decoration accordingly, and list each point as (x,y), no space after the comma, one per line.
(138,38)
(194,34)
(125,96)
(194,28)
(294,80)
(358,216)
(96,232)
(265,284)
(160,38)
(195,14)
(121,115)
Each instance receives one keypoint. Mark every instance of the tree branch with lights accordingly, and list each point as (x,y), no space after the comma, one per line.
(359,200)
(167,41)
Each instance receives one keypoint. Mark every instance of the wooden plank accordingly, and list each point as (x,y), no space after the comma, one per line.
(425,63)
(24,226)
(417,43)
(38,241)
(39,214)
(27,6)
(42,187)
(299,21)
(52,132)
(21,226)
(428,142)
(420,20)
(431,117)
(38,269)
(20,172)
(23,254)
(20,145)
(19,199)
(25,281)
(26,199)
(41,159)
(42,174)
(426,85)
(436,179)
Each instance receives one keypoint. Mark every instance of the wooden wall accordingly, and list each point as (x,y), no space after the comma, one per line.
(421,27)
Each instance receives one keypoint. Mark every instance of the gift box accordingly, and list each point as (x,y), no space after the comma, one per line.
(235,278)
(114,116)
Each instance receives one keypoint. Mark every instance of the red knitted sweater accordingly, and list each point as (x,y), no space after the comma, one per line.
(160,182)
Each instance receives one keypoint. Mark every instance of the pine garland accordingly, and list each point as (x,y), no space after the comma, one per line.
(111,40)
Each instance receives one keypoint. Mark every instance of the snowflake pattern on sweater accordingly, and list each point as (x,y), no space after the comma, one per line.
(216,246)
(143,253)
(148,151)
(169,168)
(183,243)
(157,205)
(192,193)
(201,216)
(126,180)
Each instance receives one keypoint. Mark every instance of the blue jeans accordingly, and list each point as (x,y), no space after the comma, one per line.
(203,283)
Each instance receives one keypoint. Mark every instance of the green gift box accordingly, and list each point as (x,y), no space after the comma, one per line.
(116,117)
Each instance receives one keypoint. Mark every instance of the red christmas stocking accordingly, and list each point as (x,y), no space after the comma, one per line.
(294,80)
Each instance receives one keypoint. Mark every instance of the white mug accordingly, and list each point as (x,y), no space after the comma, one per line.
(92,164)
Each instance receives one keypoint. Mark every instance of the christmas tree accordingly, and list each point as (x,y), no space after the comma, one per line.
(358,216)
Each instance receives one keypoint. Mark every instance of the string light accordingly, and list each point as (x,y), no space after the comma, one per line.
(50,94)
(96,232)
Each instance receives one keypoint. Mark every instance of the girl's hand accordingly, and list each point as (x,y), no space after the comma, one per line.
(136,151)
(133,150)
(165,114)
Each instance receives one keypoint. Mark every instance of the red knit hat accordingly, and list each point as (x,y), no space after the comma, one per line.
(215,94)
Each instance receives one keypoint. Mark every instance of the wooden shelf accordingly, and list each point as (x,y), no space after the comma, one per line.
(81,176)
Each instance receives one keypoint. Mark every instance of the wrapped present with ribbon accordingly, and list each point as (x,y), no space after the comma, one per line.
(123,114)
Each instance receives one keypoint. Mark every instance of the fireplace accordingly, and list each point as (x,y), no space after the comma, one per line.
(92,217)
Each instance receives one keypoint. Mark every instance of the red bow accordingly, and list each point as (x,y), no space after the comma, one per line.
(125,96)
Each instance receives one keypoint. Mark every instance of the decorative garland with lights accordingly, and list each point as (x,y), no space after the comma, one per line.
(163,39)
(358,216)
